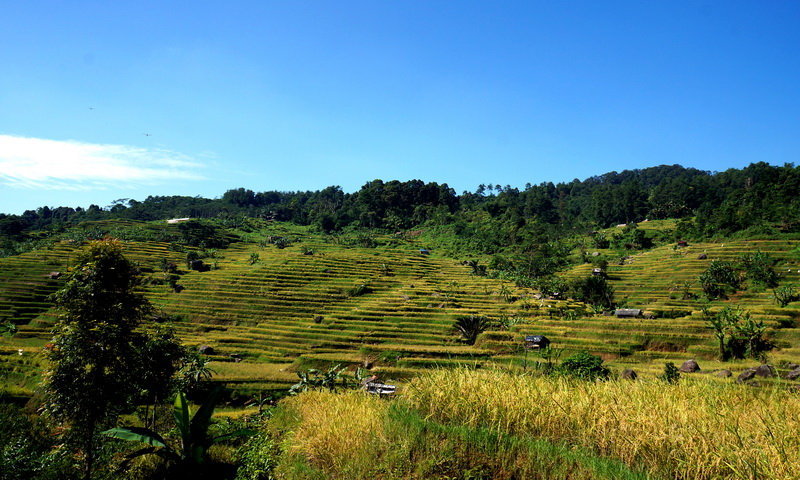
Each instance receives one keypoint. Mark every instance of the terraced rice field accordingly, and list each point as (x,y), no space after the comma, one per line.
(653,281)
(290,310)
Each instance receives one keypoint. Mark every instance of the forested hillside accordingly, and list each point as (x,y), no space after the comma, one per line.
(760,196)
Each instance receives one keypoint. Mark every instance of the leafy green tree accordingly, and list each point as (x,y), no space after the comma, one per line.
(719,279)
(631,238)
(599,240)
(721,327)
(785,295)
(758,267)
(94,358)
(191,256)
(161,356)
(193,372)
(594,290)
(738,334)
(550,285)
(749,338)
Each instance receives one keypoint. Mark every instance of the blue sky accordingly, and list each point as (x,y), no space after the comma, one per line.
(107,100)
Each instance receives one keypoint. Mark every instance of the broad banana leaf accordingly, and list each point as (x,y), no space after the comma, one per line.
(199,425)
(136,434)
(182,420)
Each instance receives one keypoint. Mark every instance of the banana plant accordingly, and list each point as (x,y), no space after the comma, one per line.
(193,430)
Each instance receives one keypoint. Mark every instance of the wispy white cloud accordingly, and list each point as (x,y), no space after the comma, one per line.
(27,162)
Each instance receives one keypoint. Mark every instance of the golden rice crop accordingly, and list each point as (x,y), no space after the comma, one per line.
(325,439)
(693,430)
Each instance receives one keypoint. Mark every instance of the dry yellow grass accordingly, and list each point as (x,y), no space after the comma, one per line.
(325,440)
(694,430)
(231,371)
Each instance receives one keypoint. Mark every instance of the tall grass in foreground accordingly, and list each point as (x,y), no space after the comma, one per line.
(355,436)
(693,430)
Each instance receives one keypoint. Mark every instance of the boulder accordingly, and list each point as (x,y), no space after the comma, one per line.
(205,350)
(595,254)
(724,374)
(689,366)
(793,375)
(765,371)
(792,366)
(236,357)
(747,375)
(702,256)
(628,374)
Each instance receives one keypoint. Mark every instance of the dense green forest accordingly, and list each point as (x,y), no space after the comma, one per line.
(760,198)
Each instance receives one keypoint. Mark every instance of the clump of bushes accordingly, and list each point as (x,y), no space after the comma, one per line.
(631,238)
(599,240)
(758,268)
(258,457)
(738,334)
(358,290)
(671,373)
(719,279)
(785,295)
(594,290)
(585,366)
(28,449)
(550,285)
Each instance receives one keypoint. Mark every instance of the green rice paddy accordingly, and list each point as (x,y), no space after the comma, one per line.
(321,302)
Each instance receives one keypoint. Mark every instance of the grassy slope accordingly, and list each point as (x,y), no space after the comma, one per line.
(266,311)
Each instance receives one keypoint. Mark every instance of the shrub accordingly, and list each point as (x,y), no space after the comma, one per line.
(471,326)
(599,240)
(313,379)
(358,290)
(738,334)
(719,278)
(593,290)
(631,238)
(585,366)
(786,294)
(758,267)
(786,323)
(258,458)
(671,373)
(505,322)
(550,285)
(27,450)
(282,243)
(477,268)
(190,257)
